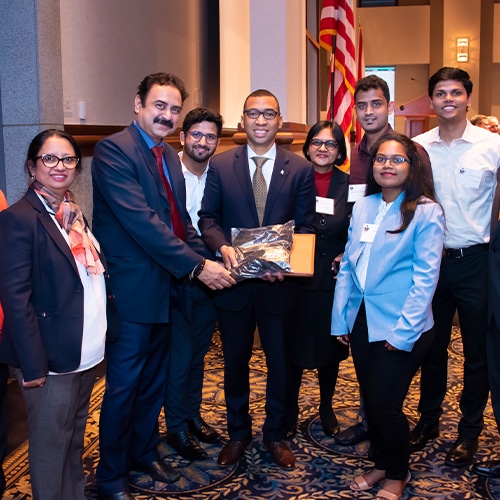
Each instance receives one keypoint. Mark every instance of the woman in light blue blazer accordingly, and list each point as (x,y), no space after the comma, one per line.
(383,298)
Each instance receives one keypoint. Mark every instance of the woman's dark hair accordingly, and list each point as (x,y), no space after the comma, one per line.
(337,134)
(38,142)
(418,183)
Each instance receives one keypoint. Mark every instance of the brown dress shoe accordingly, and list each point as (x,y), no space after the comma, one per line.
(280,453)
(232,451)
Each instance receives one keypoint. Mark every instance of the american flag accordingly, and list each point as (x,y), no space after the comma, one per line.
(336,35)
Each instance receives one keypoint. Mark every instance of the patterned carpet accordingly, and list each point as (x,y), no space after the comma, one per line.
(323,469)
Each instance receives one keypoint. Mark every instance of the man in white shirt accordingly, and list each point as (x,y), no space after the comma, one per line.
(464,161)
(193,329)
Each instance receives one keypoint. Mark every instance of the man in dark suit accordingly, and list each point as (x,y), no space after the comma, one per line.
(192,333)
(491,468)
(4,375)
(229,201)
(142,225)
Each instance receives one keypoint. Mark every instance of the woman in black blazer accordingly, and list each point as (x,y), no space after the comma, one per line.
(312,345)
(54,299)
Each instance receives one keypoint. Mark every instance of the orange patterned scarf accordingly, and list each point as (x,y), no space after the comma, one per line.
(70,218)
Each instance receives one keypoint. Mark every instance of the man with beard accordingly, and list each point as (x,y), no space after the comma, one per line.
(192,333)
(142,225)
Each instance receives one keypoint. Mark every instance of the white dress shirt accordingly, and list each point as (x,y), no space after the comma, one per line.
(195,187)
(267,168)
(465,180)
(364,258)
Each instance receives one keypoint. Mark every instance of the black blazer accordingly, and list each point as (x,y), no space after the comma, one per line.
(331,233)
(229,202)
(41,292)
(131,220)
(494,262)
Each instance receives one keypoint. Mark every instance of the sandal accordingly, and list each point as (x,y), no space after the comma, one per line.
(359,483)
(389,495)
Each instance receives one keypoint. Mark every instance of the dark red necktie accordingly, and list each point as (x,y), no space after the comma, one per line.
(177,225)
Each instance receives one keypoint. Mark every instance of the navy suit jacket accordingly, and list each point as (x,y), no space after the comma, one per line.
(229,202)
(494,261)
(41,292)
(131,220)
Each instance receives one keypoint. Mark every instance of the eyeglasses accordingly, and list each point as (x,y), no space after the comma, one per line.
(393,160)
(51,161)
(268,114)
(198,136)
(330,145)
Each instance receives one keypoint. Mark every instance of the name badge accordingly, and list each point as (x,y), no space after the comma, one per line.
(325,205)
(356,191)
(369,232)
(468,177)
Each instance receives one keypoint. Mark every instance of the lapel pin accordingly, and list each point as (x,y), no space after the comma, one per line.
(282,172)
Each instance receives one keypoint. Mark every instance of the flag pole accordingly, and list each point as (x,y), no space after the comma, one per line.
(332,79)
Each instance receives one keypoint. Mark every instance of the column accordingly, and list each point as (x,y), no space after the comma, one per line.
(30,83)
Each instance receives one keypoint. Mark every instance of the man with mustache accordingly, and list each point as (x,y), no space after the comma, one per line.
(142,225)
(464,160)
(192,333)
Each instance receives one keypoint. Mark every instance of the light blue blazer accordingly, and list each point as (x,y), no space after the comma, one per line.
(402,274)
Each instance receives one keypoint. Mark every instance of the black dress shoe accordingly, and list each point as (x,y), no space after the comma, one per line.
(231,452)
(421,434)
(331,431)
(462,451)
(121,495)
(328,420)
(280,453)
(204,432)
(158,470)
(487,469)
(352,435)
(186,446)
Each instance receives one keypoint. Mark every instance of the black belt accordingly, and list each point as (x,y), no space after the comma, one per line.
(459,253)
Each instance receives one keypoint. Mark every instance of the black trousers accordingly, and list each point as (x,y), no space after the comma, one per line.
(237,331)
(4,375)
(493,350)
(191,339)
(462,287)
(384,377)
